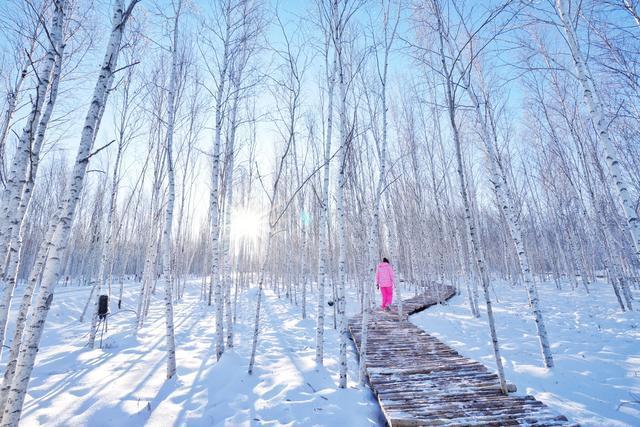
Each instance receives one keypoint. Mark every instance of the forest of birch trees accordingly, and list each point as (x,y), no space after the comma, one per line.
(287,147)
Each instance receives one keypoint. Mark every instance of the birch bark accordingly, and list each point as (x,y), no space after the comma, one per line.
(18,175)
(230,164)
(21,318)
(51,272)
(340,209)
(168,220)
(507,207)
(323,240)
(594,104)
(215,183)
(261,278)
(107,245)
(374,231)
(8,282)
(11,102)
(468,218)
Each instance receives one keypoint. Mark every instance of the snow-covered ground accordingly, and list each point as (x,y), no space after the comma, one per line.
(124,384)
(595,346)
(596,349)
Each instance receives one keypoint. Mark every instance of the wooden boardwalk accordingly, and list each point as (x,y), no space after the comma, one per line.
(420,381)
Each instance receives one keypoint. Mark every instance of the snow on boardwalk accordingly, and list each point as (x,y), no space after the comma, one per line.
(419,380)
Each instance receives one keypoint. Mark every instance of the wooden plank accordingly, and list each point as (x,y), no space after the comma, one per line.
(419,380)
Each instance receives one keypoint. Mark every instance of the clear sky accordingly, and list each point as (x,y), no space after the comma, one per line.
(297,17)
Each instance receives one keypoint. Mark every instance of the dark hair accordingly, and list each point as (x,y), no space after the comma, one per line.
(385,260)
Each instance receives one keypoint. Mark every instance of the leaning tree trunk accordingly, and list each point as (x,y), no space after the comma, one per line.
(21,318)
(507,206)
(596,110)
(472,238)
(16,188)
(51,272)
(12,194)
(261,274)
(479,259)
(12,103)
(8,282)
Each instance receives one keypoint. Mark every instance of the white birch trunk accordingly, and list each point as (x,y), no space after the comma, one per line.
(148,271)
(107,245)
(51,272)
(21,318)
(374,231)
(18,175)
(8,282)
(594,104)
(215,178)
(11,102)
(323,242)
(340,214)
(230,164)
(261,278)
(168,220)
(394,252)
(507,206)
(469,221)
(303,267)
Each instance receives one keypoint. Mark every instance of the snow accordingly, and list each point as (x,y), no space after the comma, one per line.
(124,382)
(596,348)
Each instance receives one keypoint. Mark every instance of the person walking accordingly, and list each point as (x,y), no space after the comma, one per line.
(385,282)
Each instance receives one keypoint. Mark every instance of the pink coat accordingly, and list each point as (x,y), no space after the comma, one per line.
(384,275)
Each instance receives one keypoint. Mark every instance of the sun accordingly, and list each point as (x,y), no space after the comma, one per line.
(246,224)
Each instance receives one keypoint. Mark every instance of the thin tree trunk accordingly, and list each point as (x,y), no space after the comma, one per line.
(261,276)
(8,282)
(507,207)
(340,215)
(21,318)
(51,272)
(215,178)
(107,245)
(226,244)
(168,221)
(469,221)
(323,243)
(594,104)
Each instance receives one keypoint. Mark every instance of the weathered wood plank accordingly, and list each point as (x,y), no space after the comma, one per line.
(419,380)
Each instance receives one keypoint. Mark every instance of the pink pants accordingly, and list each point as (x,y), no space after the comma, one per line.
(387,295)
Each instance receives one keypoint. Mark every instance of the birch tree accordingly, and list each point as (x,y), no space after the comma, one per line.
(593,102)
(51,271)
(471,229)
(498,180)
(224,32)
(25,31)
(340,14)
(9,280)
(168,219)
(390,26)
(244,47)
(12,214)
(330,68)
